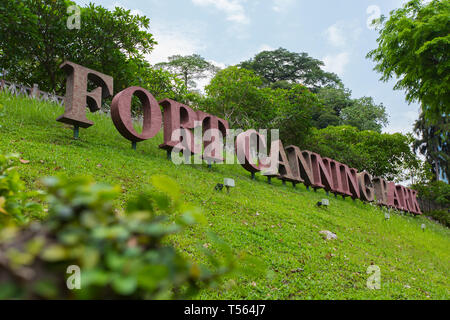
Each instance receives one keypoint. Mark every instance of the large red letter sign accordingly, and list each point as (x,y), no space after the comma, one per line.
(121,114)
(77,96)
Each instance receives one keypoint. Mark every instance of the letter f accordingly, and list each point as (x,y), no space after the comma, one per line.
(77,96)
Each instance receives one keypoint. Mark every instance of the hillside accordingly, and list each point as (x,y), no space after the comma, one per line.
(277,223)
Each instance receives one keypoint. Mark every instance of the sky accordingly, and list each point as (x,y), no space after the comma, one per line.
(227,32)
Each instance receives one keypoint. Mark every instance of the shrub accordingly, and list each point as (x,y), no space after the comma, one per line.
(443,216)
(16,205)
(381,154)
(436,191)
(121,254)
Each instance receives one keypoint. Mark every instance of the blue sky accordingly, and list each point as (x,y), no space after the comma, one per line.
(230,31)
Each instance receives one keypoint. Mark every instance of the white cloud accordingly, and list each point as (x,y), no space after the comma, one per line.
(133,12)
(174,39)
(233,9)
(218,64)
(265,47)
(202,83)
(336,63)
(177,40)
(404,122)
(335,35)
(341,32)
(281,5)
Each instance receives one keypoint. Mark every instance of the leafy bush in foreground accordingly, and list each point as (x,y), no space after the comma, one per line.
(120,254)
(16,205)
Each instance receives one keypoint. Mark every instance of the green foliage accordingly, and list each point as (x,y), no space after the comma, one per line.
(35,40)
(443,216)
(433,143)
(337,98)
(283,65)
(189,68)
(340,109)
(162,84)
(437,191)
(384,155)
(120,254)
(237,95)
(414,46)
(364,114)
(16,204)
(281,69)
(294,108)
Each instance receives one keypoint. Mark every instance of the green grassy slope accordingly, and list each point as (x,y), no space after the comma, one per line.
(278,224)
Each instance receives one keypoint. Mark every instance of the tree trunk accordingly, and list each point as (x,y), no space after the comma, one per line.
(436,162)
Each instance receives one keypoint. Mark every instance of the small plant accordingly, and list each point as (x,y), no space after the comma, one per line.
(16,205)
(121,254)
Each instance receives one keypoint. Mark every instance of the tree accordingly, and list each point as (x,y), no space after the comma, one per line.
(381,154)
(161,83)
(189,68)
(337,98)
(332,100)
(338,108)
(235,95)
(283,65)
(35,40)
(414,46)
(293,112)
(364,114)
(324,116)
(433,144)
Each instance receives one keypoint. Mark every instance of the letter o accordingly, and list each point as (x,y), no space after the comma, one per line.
(121,114)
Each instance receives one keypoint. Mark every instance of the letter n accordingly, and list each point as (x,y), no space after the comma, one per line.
(300,165)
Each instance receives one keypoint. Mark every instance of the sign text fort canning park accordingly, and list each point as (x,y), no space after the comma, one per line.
(202,135)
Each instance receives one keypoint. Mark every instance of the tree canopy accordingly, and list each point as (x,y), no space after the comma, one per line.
(382,154)
(189,68)
(414,46)
(364,114)
(432,143)
(237,95)
(283,65)
(35,40)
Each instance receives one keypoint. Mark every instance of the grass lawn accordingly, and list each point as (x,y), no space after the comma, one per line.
(278,224)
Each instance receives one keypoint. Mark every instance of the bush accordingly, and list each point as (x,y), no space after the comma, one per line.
(16,205)
(436,191)
(382,154)
(443,216)
(121,254)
